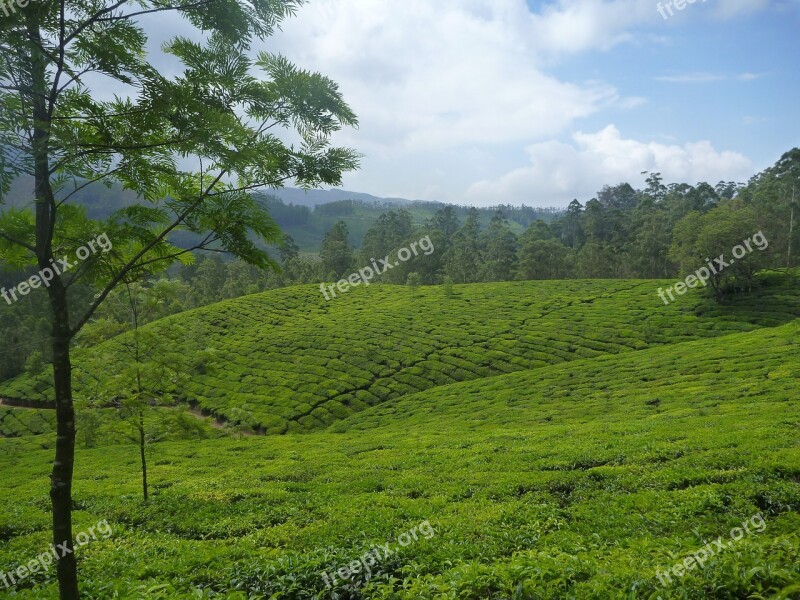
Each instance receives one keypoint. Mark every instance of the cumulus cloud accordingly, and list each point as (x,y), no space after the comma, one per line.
(427,75)
(429,79)
(449,91)
(560,171)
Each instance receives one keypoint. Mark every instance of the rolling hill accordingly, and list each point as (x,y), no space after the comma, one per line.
(589,478)
(298,363)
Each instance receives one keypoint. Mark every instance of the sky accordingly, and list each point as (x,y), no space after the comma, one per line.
(488,102)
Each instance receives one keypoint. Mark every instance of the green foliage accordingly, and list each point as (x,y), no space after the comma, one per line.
(336,254)
(217,116)
(462,259)
(578,480)
(703,237)
(413,281)
(299,362)
(447,286)
(34,364)
(16,422)
(501,250)
(545,259)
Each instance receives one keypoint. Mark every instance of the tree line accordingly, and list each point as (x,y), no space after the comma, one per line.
(659,232)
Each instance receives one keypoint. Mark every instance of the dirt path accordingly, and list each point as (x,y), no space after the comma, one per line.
(21,404)
(216,423)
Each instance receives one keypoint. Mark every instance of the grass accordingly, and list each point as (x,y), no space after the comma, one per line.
(581,477)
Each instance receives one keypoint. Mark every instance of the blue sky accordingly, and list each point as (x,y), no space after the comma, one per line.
(513,101)
(694,86)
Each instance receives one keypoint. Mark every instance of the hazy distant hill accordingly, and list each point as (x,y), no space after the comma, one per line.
(115,197)
(304,215)
(317,197)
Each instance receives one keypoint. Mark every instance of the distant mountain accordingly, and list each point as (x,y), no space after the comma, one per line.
(304,215)
(20,195)
(313,198)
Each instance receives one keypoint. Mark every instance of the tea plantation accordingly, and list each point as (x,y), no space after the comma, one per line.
(564,440)
(290,361)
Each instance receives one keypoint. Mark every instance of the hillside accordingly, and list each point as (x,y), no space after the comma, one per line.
(586,479)
(304,215)
(313,198)
(290,361)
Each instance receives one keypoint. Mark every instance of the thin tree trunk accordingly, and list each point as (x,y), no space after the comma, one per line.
(139,389)
(142,453)
(61,478)
(63,464)
(791,233)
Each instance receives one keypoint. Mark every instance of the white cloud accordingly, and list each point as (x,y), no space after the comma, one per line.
(449,91)
(706,77)
(571,26)
(560,172)
(427,75)
(691,78)
(434,80)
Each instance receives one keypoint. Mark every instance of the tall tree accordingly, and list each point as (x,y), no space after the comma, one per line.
(209,277)
(390,232)
(446,221)
(706,241)
(774,196)
(500,260)
(440,229)
(336,254)
(463,259)
(217,114)
(652,233)
(656,190)
(545,259)
(288,250)
(570,226)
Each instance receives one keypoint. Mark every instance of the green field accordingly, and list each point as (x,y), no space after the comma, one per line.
(563,440)
(301,363)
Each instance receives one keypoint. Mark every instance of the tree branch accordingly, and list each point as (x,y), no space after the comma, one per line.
(62,48)
(131,264)
(90,182)
(18,242)
(91,21)
(154,10)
